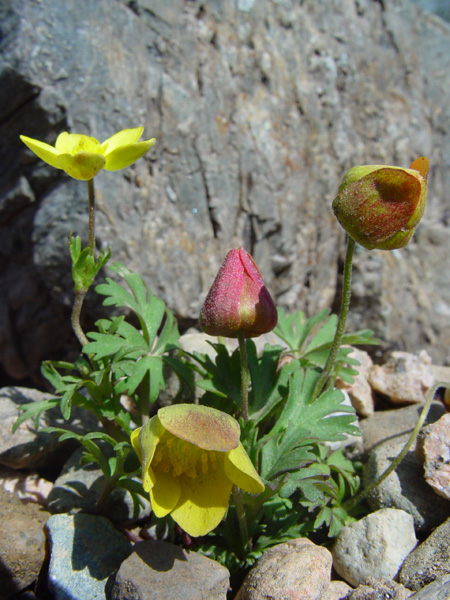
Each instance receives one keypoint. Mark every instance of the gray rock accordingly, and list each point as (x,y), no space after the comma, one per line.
(394,424)
(294,570)
(157,570)
(29,447)
(379,590)
(258,109)
(79,486)
(375,546)
(22,550)
(405,488)
(433,451)
(429,561)
(85,552)
(438,590)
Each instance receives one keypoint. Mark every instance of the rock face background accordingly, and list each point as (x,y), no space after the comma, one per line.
(258,107)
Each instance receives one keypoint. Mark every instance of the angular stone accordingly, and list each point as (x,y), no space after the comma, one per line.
(298,570)
(433,451)
(405,378)
(438,590)
(375,546)
(85,551)
(429,561)
(360,391)
(157,570)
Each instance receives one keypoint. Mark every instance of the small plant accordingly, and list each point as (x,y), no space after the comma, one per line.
(251,465)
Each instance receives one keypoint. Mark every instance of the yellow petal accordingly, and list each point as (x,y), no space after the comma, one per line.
(122,138)
(203,426)
(123,156)
(203,501)
(71,143)
(240,470)
(165,493)
(44,151)
(83,165)
(144,440)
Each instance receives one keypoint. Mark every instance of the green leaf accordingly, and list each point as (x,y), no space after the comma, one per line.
(34,410)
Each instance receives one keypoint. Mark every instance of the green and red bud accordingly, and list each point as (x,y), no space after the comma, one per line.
(238,301)
(380,206)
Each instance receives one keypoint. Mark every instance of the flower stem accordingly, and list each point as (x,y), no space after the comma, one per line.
(394,464)
(244,376)
(242,518)
(345,303)
(80,294)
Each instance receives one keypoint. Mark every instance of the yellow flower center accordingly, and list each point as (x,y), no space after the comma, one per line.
(174,455)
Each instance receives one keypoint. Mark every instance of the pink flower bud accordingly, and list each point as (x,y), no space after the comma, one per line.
(380,206)
(238,300)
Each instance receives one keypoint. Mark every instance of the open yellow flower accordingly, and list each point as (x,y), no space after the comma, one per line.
(191,456)
(82,157)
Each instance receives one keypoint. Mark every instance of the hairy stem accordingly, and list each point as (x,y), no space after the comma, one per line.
(91,214)
(242,518)
(394,464)
(345,303)
(76,312)
(244,376)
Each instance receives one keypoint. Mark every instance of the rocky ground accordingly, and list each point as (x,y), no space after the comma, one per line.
(54,550)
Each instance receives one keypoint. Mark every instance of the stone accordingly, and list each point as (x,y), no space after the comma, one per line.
(405,378)
(294,570)
(78,487)
(396,424)
(29,447)
(438,590)
(253,137)
(85,552)
(157,570)
(22,550)
(433,451)
(379,590)
(375,546)
(360,391)
(28,487)
(429,561)
(405,488)
(337,590)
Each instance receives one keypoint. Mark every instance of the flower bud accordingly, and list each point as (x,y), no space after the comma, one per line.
(380,206)
(238,300)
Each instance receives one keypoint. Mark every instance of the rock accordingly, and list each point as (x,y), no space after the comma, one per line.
(22,549)
(379,590)
(405,378)
(429,561)
(404,488)
(29,447)
(438,590)
(433,451)
(158,570)
(26,487)
(85,551)
(396,423)
(253,139)
(360,391)
(375,546)
(79,486)
(294,570)
(337,590)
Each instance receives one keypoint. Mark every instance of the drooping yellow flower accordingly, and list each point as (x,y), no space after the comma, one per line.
(191,456)
(82,157)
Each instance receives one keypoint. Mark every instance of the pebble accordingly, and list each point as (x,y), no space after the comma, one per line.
(404,378)
(405,488)
(438,590)
(374,546)
(85,551)
(430,560)
(360,391)
(22,549)
(433,451)
(161,571)
(30,448)
(337,590)
(26,487)
(294,570)
(388,424)
(78,488)
(379,590)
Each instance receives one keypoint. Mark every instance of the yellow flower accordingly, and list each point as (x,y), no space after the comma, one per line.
(191,456)
(82,157)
